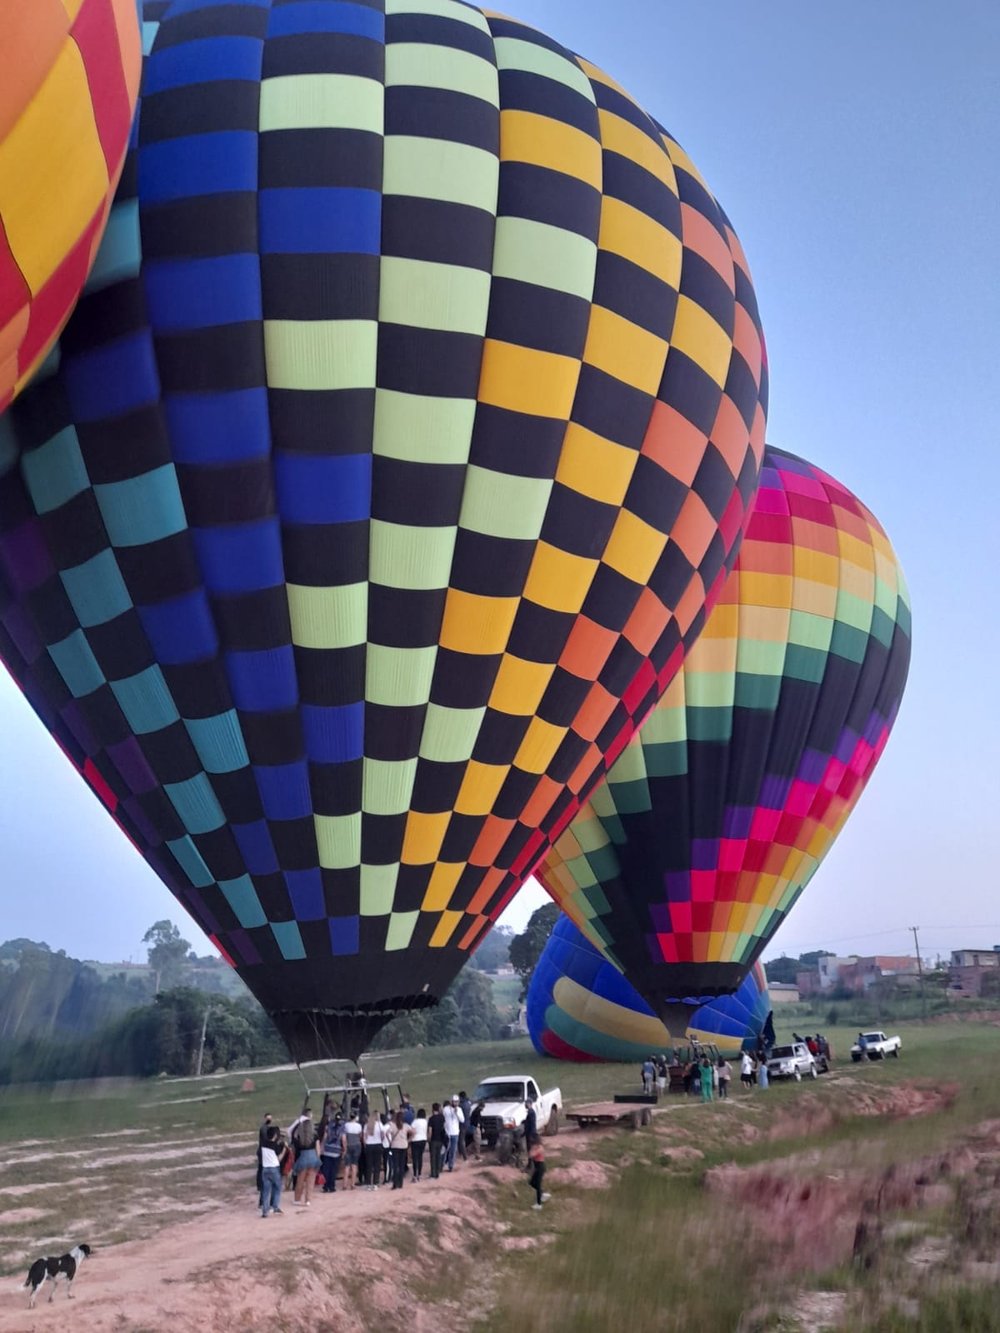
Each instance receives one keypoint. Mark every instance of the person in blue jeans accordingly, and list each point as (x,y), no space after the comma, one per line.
(270,1174)
(453,1121)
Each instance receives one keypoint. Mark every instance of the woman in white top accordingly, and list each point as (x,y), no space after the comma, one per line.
(353,1134)
(418,1142)
(402,1133)
(373,1151)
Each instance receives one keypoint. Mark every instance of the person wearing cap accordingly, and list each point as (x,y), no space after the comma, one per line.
(453,1122)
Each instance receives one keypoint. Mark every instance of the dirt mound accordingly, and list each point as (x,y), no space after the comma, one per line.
(586,1174)
(815,1115)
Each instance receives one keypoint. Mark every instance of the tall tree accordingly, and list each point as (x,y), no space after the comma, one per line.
(167,954)
(526,948)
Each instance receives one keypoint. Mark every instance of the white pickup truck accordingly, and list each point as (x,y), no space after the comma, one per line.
(504,1114)
(878,1046)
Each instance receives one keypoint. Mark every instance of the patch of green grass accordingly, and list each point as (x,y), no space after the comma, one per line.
(954,1309)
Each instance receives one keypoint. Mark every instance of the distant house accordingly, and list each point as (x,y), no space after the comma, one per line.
(972,971)
(782,992)
(829,968)
(975,957)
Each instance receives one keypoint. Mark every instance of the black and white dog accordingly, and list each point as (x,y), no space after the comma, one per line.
(65,1266)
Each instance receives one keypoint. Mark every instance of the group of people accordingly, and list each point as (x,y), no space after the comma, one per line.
(818,1045)
(360,1148)
(701,1075)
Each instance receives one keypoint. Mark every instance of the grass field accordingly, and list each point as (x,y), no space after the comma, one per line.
(712,1220)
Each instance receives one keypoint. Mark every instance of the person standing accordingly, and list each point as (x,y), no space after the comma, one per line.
(705,1073)
(465,1138)
(647,1075)
(373,1151)
(725,1073)
(399,1144)
(530,1123)
(270,1199)
(418,1143)
(762,1075)
(661,1075)
(476,1120)
(334,1142)
(409,1115)
(453,1121)
(265,1125)
(306,1160)
(746,1070)
(536,1155)
(438,1137)
(353,1145)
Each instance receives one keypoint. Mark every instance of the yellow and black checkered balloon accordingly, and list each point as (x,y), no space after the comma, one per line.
(387,473)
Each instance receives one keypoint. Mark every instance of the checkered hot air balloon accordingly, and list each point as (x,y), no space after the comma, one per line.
(380,492)
(686,861)
(581,1008)
(69,76)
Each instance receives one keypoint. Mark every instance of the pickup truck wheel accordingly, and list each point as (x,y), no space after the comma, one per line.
(505,1147)
(895,1054)
(812,1071)
(856,1058)
(552,1127)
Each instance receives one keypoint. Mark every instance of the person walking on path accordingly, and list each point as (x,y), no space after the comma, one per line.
(402,1133)
(334,1143)
(453,1121)
(438,1138)
(270,1199)
(418,1143)
(724,1073)
(536,1155)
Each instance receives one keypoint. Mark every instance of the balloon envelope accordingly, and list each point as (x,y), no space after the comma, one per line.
(580,1007)
(335,553)
(69,76)
(716,816)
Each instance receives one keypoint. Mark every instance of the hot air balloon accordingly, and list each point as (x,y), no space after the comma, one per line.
(374,503)
(716,816)
(580,1007)
(69,76)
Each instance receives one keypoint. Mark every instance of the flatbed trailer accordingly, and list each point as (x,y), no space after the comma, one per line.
(632,1114)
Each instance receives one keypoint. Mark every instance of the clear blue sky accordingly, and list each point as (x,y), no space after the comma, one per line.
(855,149)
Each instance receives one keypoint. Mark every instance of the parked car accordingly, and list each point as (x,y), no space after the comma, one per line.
(878,1045)
(791,1062)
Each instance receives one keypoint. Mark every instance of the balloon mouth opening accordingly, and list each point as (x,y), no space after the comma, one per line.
(341,1033)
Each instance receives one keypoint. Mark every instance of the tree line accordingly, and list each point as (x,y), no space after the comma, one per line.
(62,1018)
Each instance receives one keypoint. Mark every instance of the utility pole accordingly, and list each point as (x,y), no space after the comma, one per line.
(201,1043)
(920,970)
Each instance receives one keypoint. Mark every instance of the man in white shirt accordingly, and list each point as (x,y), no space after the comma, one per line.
(453,1122)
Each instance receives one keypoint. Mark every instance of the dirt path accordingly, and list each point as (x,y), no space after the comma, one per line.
(230,1270)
